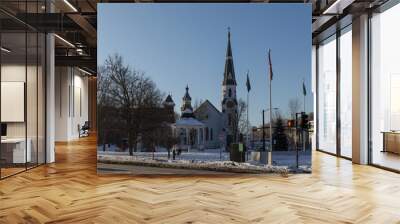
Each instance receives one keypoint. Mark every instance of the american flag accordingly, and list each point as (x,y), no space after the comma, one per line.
(270,65)
(248,82)
(304,89)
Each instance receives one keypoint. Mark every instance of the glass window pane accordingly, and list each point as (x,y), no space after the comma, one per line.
(31,97)
(346,93)
(13,86)
(385,88)
(327,95)
(23,90)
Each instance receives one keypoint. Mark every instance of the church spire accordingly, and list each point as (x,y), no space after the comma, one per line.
(187,110)
(229,72)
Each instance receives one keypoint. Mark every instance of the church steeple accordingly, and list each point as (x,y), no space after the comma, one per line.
(229,102)
(168,102)
(187,110)
(229,72)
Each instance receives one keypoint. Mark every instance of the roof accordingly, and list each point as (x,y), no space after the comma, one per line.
(188,122)
(204,104)
(186,113)
(169,99)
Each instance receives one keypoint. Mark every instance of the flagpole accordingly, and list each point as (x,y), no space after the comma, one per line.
(304,96)
(270,112)
(247,122)
(270,122)
(303,133)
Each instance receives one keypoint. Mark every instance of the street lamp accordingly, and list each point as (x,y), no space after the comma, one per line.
(268,109)
(269,154)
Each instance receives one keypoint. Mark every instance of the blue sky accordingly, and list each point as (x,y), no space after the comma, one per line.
(180,44)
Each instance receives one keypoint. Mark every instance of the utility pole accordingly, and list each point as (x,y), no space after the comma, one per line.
(296,138)
(299,134)
(263,130)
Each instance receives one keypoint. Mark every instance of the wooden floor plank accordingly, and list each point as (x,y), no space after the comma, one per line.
(70,191)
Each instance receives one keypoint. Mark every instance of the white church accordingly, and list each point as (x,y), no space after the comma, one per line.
(207,127)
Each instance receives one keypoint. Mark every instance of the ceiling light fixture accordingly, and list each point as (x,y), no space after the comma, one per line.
(84,71)
(64,40)
(70,5)
(79,51)
(5,50)
(331,7)
(337,7)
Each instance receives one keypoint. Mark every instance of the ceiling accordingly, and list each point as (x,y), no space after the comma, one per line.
(75,21)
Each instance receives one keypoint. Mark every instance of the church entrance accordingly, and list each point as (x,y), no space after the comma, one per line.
(229,140)
(192,137)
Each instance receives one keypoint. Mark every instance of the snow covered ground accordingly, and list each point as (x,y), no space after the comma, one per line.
(125,164)
(279,158)
(206,155)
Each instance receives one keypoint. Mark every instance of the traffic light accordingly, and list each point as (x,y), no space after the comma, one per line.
(304,121)
(290,123)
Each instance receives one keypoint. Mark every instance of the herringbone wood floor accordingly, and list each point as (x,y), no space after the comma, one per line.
(70,191)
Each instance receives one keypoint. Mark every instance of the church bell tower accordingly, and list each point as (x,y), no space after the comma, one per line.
(229,102)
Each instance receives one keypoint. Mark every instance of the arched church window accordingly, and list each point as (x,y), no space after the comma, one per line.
(230,93)
(230,119)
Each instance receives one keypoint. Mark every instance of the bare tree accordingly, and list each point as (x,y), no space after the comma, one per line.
(129,95)
(103,101)
(294,107)
(240,122)
(166,138)
(197,103)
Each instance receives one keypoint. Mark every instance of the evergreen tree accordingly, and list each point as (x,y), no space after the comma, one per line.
(280,138)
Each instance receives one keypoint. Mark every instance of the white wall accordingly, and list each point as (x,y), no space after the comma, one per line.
(62,82)
(80,110)
(71,102)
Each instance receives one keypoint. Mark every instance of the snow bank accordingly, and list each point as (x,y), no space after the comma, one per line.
(223,166)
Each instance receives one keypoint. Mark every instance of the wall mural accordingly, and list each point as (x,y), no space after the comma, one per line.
(182,89)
